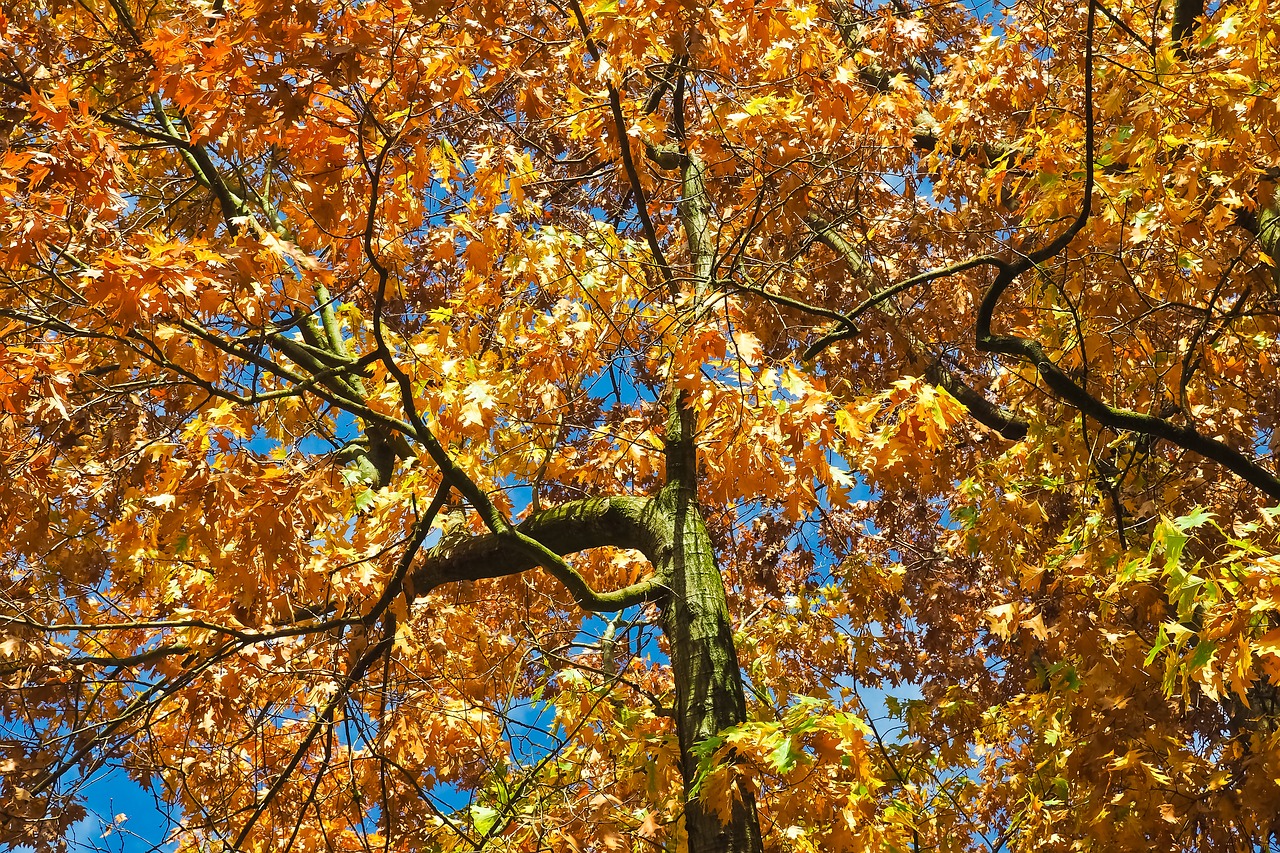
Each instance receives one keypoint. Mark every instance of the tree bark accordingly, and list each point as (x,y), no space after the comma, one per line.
(708,680)
(1186,15)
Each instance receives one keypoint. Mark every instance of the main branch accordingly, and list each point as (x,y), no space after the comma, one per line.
(621,522)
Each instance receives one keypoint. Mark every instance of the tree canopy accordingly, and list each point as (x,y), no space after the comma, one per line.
(567,425)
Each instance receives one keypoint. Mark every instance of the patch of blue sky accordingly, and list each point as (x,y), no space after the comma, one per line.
(121,817)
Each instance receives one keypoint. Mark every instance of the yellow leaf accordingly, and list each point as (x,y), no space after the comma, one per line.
(1268,643)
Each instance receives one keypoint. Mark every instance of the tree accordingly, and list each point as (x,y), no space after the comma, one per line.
(552,425)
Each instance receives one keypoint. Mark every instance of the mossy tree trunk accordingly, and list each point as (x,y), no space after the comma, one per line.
(708,680)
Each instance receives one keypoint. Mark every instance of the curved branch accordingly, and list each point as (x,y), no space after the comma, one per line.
(847,319)
(1186,437)
(791,302)
(622,522)
(923,278)
(1062,385)
(985,412)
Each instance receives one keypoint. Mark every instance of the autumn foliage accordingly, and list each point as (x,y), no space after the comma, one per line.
(642,425)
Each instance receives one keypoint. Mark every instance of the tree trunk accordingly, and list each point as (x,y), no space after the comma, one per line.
(709,693)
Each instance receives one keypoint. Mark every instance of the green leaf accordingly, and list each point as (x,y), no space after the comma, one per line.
(1162,642)
(1067,673)
(804,714)
(1196,518)
(705,751)
(1203,652)
(1169,539)
(785,756)
(484,818)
